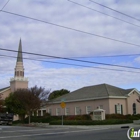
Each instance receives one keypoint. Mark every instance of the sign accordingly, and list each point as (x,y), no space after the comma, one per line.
(132,134)
(63,105)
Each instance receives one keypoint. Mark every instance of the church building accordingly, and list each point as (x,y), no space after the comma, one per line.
(18,81)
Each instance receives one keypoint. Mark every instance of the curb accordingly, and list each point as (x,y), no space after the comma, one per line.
(92,127)
(121,126)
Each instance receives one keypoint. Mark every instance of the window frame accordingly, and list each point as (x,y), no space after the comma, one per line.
(78,110)
(134,108)
(88,110)
(118,108)
(50,111)
(67,111)
(58,111)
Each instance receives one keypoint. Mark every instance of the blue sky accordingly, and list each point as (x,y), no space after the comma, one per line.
(47,39)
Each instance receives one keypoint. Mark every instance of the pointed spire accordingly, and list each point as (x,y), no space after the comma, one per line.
(19,56)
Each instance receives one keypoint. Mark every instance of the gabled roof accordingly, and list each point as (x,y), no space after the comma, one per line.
(94,92)
(3,89)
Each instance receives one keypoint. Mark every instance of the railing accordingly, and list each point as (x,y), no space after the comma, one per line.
(19,79)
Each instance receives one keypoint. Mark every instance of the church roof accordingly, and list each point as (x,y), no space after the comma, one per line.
(19,56)
(4,89)
(94,92)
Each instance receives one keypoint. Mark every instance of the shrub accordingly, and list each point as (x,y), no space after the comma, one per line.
(47,114)
(82,119)
(77,117)
(134,117)
(120,116)
(39,119)
(89,122)
(115,116)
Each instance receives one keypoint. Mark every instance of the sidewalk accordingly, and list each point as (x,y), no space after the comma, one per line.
(91,126)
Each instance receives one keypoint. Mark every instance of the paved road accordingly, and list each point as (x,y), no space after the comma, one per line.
(33,133)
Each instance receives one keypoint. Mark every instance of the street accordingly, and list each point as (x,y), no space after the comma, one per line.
(34,133)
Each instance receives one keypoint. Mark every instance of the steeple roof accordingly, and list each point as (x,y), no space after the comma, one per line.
(19,56)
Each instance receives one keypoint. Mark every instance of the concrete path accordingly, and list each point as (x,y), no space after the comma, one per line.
(89,126)
(95,126)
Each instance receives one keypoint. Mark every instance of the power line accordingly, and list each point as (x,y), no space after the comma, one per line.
(4,5)
(115,10)
(46,61)
(103,13)
(75,64)
(77,60)
(99,56)
(117,55)
(69,28)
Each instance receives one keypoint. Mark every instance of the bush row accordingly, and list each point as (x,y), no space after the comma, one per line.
(48,118)
(120,116)
(89,122)
(110,119)
(77,117)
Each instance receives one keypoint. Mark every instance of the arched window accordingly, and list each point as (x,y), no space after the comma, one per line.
(17,73)
(134,108)
(20,73)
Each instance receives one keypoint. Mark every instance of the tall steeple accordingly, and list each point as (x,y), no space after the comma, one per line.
(19,56)
(19,82)
(19,69)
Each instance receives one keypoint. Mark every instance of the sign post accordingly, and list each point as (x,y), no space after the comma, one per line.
(63,105)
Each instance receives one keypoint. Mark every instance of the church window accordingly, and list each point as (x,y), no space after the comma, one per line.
(17,73)
(88,109)
(67,111)
(39,112)
(58,111)
(50,111)
(77,111)
(119,109)
(134,108)
(20,73)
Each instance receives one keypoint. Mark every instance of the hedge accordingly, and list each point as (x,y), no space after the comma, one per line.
(82,119)
(48,119)
(120,116)
(103,122)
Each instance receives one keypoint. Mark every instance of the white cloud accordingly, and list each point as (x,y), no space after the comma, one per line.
(47,39)
(137,59)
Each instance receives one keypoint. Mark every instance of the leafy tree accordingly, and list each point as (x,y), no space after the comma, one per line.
(14,105)
(24,101)
(58,93)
